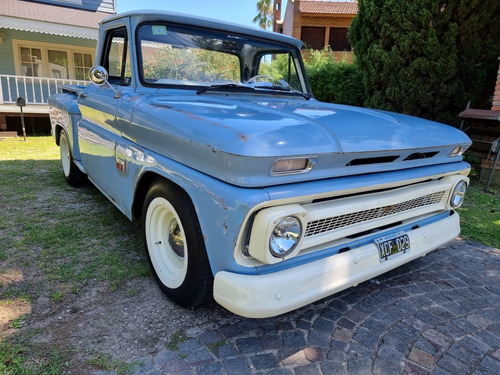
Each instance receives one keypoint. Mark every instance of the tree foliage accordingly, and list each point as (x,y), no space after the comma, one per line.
(265,16)
(427,57)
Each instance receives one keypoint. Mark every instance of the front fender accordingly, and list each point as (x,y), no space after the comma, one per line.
(221,208)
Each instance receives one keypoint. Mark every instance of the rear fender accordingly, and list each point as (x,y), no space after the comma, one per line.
(64,114)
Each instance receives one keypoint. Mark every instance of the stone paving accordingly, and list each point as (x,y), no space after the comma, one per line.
(436,315)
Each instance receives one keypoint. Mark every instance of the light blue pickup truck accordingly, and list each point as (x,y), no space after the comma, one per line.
(249,189)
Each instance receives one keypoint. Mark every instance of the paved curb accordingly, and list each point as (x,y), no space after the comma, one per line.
(436,315)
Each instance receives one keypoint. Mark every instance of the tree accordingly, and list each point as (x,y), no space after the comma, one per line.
(265,16)
(427,57)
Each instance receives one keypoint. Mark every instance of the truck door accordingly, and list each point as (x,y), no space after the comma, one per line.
(99,131)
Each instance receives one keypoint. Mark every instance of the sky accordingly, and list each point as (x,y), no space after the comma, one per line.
(236,11)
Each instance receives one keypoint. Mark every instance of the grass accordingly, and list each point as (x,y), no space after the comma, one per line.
(19,356)
(480,214)
(215,345)
(57,238)
(108,363)
(18,322)
(74,235)
(177,338)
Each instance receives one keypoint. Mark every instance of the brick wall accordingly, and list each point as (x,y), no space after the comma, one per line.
(277,16)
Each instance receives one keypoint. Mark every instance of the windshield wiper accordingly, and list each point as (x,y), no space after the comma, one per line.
(287,89)
(238,87)
(226,86)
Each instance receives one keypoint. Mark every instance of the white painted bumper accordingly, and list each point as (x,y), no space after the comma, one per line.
(260,296)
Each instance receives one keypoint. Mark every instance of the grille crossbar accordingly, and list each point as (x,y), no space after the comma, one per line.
(336,222)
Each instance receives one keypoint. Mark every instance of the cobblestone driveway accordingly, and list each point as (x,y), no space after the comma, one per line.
(437,315)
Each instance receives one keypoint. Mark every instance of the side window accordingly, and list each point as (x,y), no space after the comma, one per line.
(281,67)
(117,58)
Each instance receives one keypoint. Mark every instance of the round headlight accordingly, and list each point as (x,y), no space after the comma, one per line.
(457,197)
(285,237)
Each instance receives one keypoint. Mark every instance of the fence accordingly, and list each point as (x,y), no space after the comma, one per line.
(35,90)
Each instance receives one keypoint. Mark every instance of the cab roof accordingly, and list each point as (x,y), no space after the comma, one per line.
(139,16)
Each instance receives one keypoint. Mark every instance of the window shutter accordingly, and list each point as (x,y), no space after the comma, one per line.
(338,39)
(313,37)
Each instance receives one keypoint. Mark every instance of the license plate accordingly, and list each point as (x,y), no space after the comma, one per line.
(393,245)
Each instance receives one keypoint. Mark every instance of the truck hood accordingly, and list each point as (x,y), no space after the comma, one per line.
(239,139)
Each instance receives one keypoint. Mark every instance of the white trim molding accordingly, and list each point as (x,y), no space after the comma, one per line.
(48,28)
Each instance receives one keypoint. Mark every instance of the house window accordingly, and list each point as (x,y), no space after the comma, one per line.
(313,37)
(83,63)
(58,64)
(31,62)
(338,39)
(36,59)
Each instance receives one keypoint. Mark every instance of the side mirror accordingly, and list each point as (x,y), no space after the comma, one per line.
(99,76)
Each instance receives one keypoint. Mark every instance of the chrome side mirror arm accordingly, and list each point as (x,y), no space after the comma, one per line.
(99,76)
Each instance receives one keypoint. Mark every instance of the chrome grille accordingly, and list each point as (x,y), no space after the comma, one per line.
(335,222)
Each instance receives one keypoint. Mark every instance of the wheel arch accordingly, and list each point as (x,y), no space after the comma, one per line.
(57,133)
(72,133)
(141,190)
(220,208)
(143,186)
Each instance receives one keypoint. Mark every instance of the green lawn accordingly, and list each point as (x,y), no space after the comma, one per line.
(54,240)
(73,234)
(480,214)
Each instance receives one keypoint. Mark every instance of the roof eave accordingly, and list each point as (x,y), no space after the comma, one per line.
(23,24)
(329,14)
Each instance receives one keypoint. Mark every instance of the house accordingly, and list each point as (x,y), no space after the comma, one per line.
(317,23)
(44,43)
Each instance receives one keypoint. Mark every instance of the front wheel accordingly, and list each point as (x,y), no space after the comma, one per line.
(74,176)
(175,246)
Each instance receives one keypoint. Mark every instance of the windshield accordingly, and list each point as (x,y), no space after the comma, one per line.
(179,55)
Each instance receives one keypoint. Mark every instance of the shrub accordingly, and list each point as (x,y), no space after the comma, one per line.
(427,57)
(333,81)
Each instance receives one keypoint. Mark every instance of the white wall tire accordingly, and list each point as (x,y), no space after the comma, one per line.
(65,153)
(175,246)
(167,254)
(73,175)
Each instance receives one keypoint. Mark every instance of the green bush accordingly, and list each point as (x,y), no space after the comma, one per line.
(427,57)
(333,81)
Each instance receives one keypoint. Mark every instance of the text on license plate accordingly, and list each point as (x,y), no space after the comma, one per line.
(391,245)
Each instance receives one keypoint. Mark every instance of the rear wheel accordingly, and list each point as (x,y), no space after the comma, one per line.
(74,176)
(175,246)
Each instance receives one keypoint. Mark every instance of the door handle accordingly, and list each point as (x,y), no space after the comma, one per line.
(82,95)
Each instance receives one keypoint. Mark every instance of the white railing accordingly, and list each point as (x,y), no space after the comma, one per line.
(34,90)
